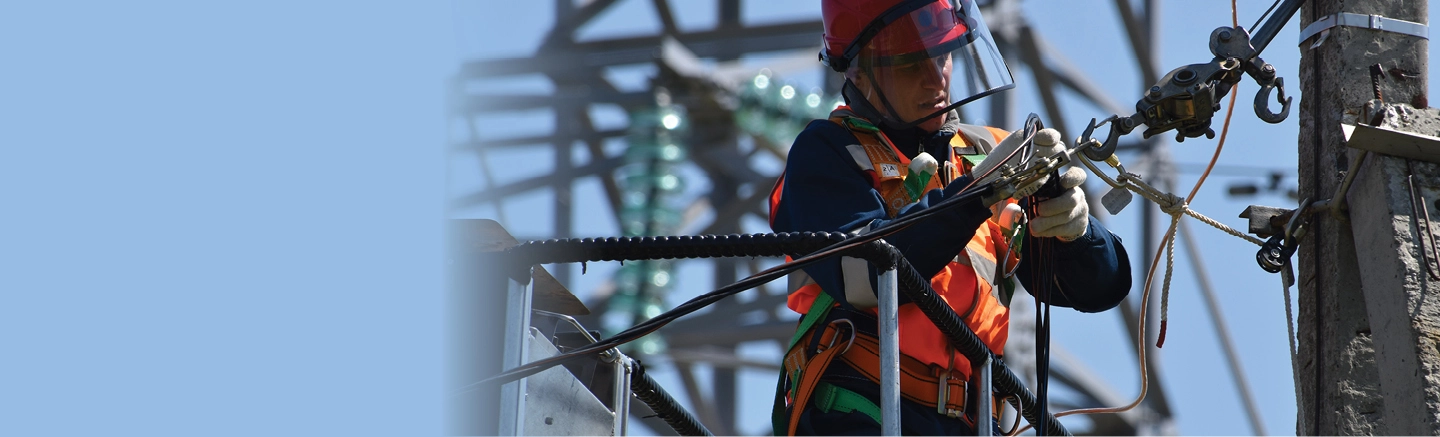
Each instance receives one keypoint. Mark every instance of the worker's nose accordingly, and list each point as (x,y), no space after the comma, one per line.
(933,77)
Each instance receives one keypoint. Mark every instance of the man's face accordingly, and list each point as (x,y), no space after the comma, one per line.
(914,90)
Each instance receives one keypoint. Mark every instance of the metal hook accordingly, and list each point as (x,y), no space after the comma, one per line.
(1262,107)
(1106,149)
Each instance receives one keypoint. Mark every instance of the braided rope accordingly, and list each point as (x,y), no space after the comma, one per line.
(1287,277)
(1169,268)
(1174,205)
(1223,227)
(1290,323)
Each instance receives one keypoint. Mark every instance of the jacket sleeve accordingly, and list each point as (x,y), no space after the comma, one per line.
(1092,273)
(824,190)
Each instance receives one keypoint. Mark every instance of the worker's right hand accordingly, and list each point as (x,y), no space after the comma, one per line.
(1066,216)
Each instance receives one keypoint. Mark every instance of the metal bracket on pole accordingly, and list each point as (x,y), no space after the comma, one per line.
(889,353)
(1366,21)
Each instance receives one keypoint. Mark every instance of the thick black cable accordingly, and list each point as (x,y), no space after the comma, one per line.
(572,250)
(649,392)
(579,250)
(916,287)
(669,247)
(1261,37)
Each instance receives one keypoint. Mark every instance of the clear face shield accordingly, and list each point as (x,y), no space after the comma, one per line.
(925,58)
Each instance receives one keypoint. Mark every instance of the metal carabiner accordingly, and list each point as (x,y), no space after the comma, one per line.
(1119,126)
(1262,106)
(847,343)
(1103,150)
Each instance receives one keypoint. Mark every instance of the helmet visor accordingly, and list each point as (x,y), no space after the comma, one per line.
(929,60)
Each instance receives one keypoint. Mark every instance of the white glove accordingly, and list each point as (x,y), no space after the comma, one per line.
(1067,216)
(1047,143)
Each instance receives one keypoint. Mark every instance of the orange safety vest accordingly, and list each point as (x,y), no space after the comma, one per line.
(967,283)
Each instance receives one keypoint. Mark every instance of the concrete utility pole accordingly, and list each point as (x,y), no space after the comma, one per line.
(1368,332)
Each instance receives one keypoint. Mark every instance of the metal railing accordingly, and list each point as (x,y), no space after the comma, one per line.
(897,276)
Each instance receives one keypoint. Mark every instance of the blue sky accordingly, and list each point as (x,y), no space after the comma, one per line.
(222,218)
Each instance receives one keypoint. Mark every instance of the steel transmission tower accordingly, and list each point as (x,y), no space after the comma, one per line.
(696,69)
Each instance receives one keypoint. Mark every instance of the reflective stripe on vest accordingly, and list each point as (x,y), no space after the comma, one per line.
(854,275)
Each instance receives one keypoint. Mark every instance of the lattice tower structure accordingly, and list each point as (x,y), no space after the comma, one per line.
(704,70)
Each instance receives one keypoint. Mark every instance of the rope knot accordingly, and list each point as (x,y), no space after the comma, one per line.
(1174,205)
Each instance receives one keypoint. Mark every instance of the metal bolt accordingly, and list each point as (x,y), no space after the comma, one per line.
(1154,93)
(1224,35)
(1268,68)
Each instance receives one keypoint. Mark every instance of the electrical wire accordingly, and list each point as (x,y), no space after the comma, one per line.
(970,192)
(1042,317)
(1262,16)
(1150,276)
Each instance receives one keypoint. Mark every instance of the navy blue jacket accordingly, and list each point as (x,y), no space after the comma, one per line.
(824,190)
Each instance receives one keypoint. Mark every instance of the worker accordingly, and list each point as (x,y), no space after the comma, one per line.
(897,148)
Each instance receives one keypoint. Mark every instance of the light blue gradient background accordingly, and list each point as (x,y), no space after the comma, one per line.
(222,218)
(225,219)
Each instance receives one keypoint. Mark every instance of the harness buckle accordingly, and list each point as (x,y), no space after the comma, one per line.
(849,342)
(942,399)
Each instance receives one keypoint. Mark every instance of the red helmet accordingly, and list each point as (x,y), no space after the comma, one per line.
(951,34)
(907,26)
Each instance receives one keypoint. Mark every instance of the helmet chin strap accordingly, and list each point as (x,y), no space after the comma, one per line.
(858,103)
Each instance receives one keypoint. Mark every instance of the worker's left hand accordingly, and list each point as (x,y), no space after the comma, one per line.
(1047,142)
(1066,216)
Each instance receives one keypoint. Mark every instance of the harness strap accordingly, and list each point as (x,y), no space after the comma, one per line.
(919,383)
(932,386)
(830,397)
(809,381)
(818,309)
(794,370)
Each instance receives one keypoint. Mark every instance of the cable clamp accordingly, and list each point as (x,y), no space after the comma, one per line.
(1375,22)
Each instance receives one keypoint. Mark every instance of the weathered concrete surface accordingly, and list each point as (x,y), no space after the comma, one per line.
(1339,375)
(1404,322)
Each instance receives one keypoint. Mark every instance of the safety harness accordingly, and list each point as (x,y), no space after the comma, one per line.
(827,332)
